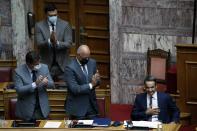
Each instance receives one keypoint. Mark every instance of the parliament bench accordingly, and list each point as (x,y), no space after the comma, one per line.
(56,100)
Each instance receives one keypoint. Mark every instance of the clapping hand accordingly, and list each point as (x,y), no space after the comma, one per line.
(96,79)
(53,38)
(42,80)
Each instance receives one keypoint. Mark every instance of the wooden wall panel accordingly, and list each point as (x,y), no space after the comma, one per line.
(2,108)
(191,78)
(94,32)
(186,79)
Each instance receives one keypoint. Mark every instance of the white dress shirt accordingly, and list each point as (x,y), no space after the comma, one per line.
(154,104)
(90,84)
(30,72)
(50,29)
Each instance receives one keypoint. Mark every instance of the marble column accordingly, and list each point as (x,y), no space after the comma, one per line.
(21,41)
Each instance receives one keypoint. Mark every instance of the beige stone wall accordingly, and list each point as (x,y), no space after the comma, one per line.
(14,39)
(135,26)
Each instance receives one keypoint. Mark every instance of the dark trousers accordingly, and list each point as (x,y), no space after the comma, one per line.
(91,114)
(56,72)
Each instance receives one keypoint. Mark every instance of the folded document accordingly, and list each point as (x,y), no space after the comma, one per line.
(148,124)
(102,122)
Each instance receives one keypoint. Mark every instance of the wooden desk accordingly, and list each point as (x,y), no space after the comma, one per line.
(166,127)
(61,128)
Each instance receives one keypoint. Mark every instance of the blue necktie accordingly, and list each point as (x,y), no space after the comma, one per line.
(85,73)
(36,89)
(33,75)
(151,102)
(150,106)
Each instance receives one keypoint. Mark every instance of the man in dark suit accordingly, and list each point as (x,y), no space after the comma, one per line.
(31,80)
(154,106)
(82,78)
(54,38)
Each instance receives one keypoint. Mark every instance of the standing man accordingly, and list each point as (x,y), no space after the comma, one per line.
(82,78)
(154,106)
(54,38)
(31,80)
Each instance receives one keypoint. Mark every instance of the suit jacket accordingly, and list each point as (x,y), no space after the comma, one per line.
(64,36)
(168,109)
(26,97)
(79,92)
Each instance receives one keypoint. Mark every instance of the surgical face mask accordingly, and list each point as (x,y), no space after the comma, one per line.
(37,67)
(52,19)
(84,61)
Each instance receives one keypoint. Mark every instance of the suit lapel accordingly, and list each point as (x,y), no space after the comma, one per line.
(145,100)
(159,104)
(46,29)
(159,100)
(89,70)
(58,28)
(26,73)
(78,69)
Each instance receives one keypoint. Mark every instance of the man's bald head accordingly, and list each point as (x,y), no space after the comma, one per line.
(83,49)
(83,54)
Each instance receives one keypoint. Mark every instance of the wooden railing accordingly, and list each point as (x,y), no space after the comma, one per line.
(56,99)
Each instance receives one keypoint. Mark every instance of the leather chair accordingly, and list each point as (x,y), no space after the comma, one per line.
(12,108)
(5,74)
(157,65)
(6,77)
(120,112)
(172,80)
(101,106)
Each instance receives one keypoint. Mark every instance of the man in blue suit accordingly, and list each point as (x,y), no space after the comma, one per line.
(31,80)
(82,78)
(154,106)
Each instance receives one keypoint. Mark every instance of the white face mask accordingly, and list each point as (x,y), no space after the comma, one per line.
(52,19)
(37,67)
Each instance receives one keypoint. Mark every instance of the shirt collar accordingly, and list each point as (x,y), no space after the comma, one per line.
(154,95)
(30,70)
(50,23)
(78,62)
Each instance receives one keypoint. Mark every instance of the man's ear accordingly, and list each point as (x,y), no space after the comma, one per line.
(155,86)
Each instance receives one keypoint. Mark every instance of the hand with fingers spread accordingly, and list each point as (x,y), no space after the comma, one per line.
(96,79)
(42,80)
(152,111)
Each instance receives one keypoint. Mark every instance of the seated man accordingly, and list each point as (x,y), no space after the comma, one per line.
(31,80)
(154,106)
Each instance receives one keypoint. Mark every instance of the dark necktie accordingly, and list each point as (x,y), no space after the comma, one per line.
(33,75)
(36,89)
(85,72)
(150,106)
(151,102)
(53,26)
(54,51)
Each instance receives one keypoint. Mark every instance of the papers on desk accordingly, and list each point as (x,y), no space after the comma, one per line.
(52,124)
(81,124)
(85,122)
(148,124)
